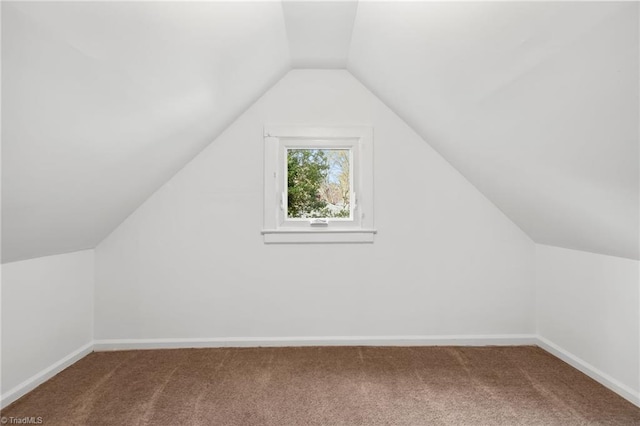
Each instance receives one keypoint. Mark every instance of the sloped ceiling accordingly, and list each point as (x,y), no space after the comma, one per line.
(102,102)
(535,103)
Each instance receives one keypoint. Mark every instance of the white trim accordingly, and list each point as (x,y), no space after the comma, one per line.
(599,376)
(223,342)
(284,236)
(411,340)
(315,131)
(34,381)
(359,140)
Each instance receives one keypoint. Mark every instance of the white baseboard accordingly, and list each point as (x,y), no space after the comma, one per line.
(224,342)
(44,375)
(603,378)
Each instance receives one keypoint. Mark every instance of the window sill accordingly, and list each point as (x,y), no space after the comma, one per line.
(317,236)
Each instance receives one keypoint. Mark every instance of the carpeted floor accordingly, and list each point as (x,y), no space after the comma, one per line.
(325,386)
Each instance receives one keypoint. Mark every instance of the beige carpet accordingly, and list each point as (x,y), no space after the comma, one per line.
(325,386)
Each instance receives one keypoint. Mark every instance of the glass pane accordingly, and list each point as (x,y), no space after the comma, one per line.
(318,183)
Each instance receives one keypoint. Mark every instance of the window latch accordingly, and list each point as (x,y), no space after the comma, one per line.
(319,222)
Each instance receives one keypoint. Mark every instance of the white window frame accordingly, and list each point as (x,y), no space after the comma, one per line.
(280,229)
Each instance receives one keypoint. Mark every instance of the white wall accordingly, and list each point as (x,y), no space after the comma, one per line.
(191,262)
(588,306)
(47,315)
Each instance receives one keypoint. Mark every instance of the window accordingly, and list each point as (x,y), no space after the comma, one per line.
(318,184)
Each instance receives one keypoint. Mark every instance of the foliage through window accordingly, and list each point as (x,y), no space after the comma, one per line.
(318,183)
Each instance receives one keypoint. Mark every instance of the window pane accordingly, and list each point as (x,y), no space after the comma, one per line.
(318,183)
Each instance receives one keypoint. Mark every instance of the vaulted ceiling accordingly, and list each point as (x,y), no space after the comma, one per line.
(103,102)
(535,103)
